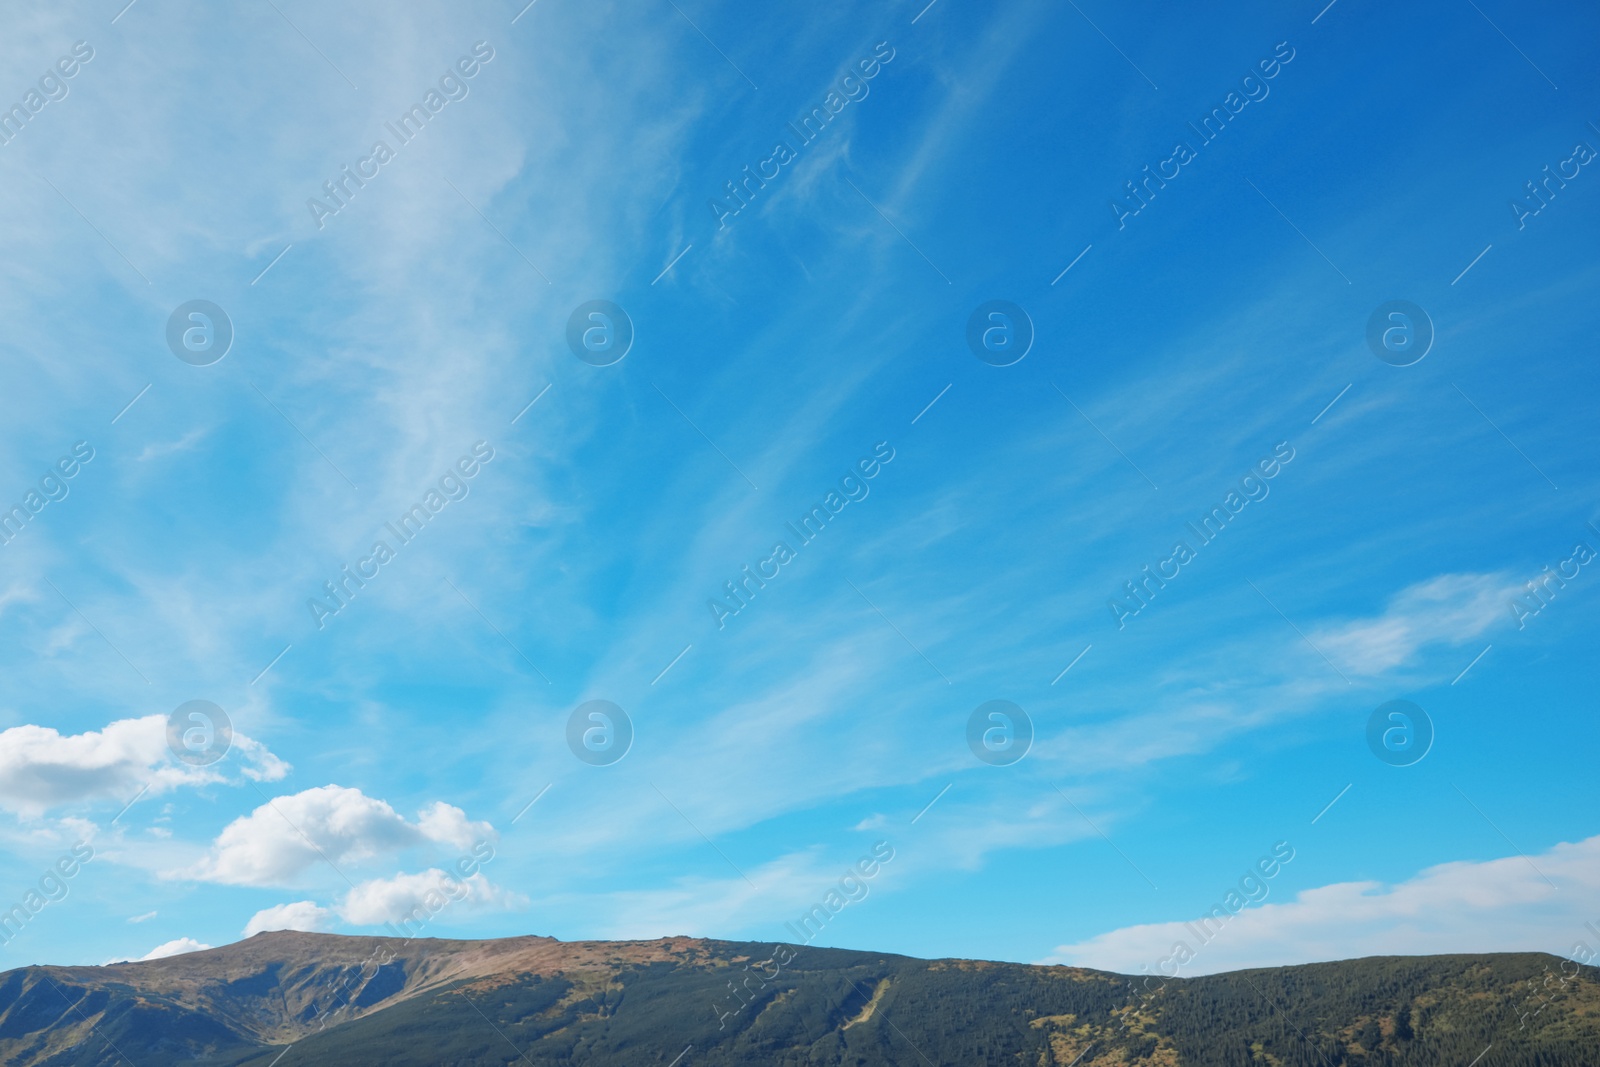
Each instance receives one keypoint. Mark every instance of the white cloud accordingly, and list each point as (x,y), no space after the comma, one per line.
(279,840)
(48,835)
(1450,608)
(300,915)
(41,768)
(449,826)
(161,449)
(1499,905)
(16,591)
(259,765)
(174,948)
(421,895)
(146,917)
(755,903)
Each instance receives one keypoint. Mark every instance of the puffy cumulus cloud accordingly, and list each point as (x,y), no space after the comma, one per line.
(448,825)
(421,895)
(278,841)
(174,948)
(1502,905)
(1449,608)
(41,768)
(300,915)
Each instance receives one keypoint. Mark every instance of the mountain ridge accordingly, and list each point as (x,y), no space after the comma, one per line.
(353,1000)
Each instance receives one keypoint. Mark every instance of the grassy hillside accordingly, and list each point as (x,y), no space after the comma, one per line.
(330,1001)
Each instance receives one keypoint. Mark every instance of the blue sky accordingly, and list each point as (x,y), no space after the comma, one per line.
(774,349)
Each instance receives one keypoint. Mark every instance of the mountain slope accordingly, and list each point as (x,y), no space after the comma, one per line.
(319,999)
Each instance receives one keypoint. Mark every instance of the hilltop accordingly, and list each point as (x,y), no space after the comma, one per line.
(303,1000)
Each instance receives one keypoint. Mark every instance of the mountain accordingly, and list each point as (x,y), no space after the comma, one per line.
(321,1000)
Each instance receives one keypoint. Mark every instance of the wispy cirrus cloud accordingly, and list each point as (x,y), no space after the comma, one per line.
(1446,609)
